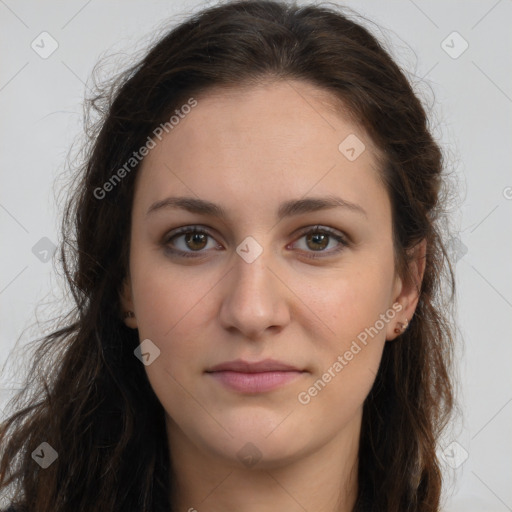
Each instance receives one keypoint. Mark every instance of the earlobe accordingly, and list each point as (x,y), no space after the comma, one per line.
(126,301)
(409,291)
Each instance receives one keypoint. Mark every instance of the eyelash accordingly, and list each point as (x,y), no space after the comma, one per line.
(197,254)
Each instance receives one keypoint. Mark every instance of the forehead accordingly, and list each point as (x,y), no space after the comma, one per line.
(287,113)
(261,143)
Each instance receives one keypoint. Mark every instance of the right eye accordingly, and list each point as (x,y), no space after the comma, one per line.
(188,241)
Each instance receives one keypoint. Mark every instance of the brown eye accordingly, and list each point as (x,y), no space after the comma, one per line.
(196,241)
(189,242)
(318,241)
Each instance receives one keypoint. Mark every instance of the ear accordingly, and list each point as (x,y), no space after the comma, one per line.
(407,291)
(126,300)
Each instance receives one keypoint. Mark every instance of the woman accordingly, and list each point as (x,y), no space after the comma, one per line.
(254,251)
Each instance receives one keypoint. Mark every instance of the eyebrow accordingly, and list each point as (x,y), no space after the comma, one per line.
(286,209)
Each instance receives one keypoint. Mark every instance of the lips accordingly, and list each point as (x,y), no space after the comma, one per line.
(257,377)
(266,365)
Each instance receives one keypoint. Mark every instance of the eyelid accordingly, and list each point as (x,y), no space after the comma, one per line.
(193,228)
(342,239)
(175,233)
(339,236)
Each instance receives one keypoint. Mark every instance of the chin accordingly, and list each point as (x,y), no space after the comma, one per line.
(258,454)
(258,446)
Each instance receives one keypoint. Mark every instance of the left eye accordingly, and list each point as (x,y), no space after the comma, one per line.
(319,238)
(194,240)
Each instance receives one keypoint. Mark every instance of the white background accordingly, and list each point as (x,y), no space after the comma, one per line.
(41,113)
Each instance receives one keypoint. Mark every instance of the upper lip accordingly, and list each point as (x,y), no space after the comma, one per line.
(265,365)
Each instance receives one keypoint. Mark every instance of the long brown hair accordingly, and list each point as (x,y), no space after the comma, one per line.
(94,405)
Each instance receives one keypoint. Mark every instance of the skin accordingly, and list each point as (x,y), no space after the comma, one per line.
(248,150)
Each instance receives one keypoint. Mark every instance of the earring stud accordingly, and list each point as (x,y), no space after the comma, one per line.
(402,327)
(128,314)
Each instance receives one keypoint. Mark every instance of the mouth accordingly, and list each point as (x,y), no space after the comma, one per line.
(257,377)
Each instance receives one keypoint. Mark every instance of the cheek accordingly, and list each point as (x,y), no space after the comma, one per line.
(164,297)
(174,310)
(170,312)
(353,300)
(356,307)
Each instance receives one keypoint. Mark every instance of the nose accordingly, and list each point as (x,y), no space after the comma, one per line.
(254,298)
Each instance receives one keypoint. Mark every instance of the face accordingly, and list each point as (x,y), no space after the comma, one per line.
(275,277)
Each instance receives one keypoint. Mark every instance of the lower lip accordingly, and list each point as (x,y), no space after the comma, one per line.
(255,382)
